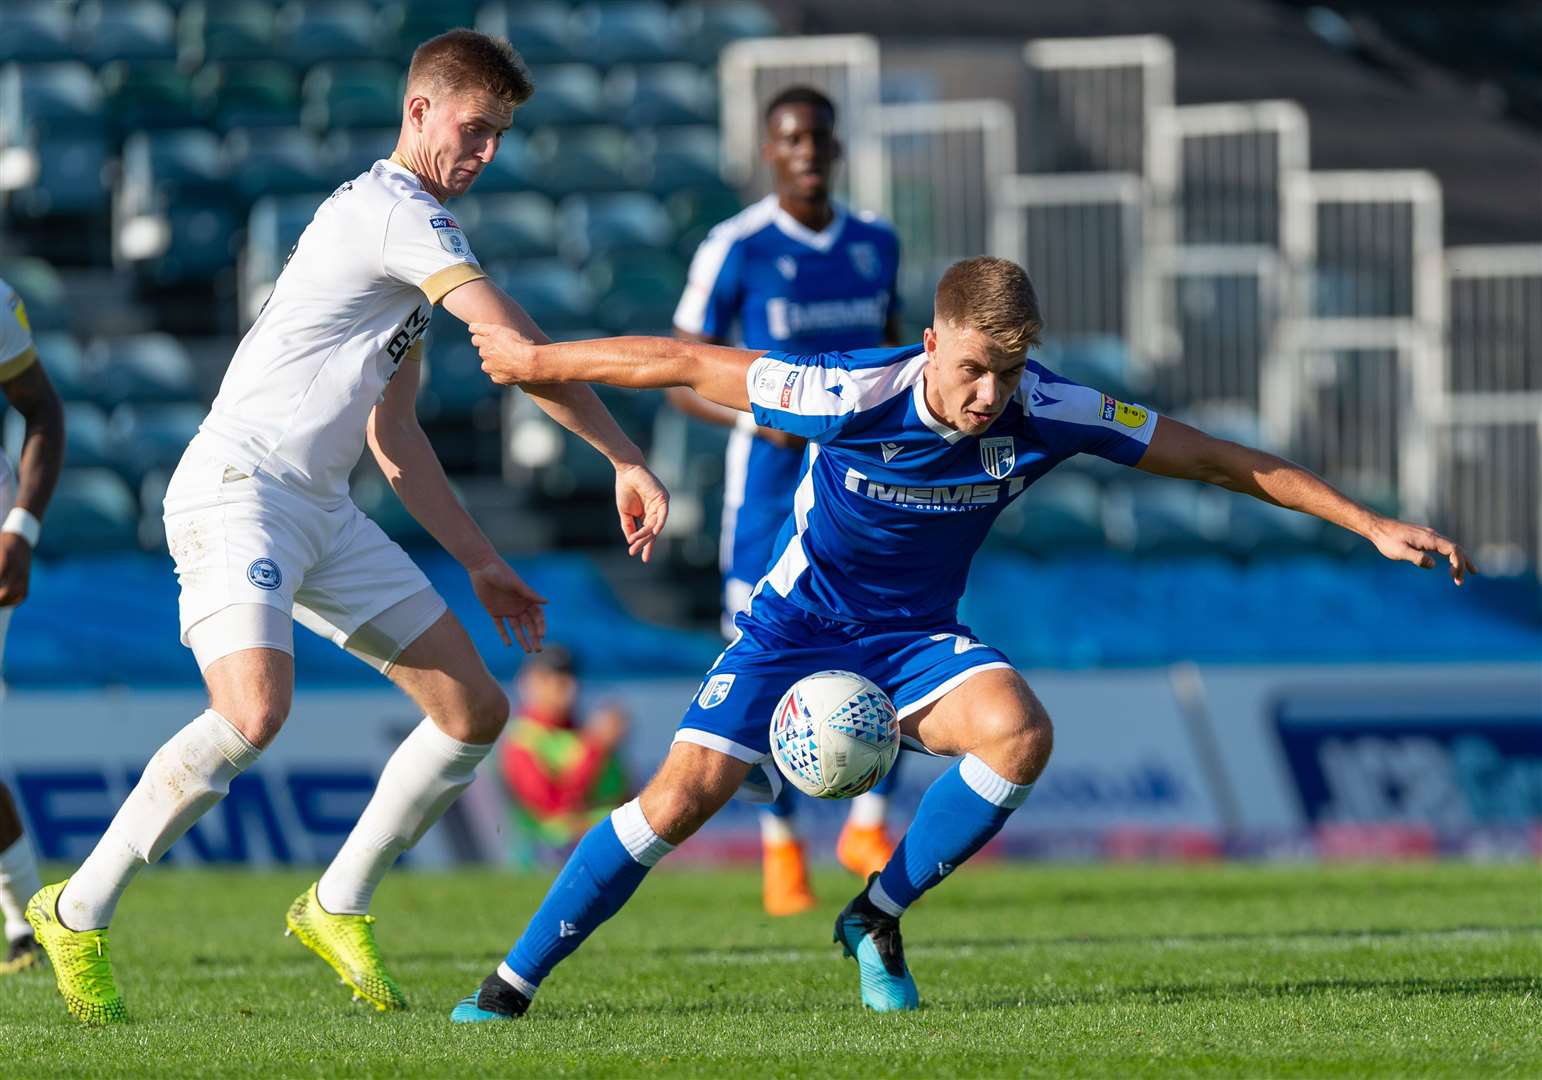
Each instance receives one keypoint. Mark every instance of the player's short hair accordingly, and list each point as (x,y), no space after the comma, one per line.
(799,95)
(993,296)
(459,60)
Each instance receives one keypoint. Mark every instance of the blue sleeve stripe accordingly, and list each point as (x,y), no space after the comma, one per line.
(807,426)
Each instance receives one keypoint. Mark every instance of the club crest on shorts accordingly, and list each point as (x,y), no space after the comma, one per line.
(715,691)
(998,455)
(264,574)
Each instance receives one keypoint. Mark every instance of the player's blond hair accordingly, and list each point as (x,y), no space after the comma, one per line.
(460,60)
(995,297)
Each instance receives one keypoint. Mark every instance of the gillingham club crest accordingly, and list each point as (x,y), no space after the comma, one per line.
(998,455)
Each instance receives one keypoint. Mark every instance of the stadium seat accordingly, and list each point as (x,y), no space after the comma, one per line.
(504,226)
(592,224)
(144,438)
(354,151)
(512,168)
(707,27)
(311,31)
(148,94)
(1102,363)
(41,99)
(352,95)
(581,159)
(1150,519)
(697,210)
(70,178)
(1060,513)
(257,93)
(653,95)
(411,22)
(86,441)
(37,31)
(553,460)
(41,289)
(555,295)
(454,388)
(133,30)
(165,167)
(566,94)
(373,495)
(93,509)
(62,358)
(541,29)
(622,31)
(285,161)
(675,158)
(201,242)
(687,456)
(141,368)
(216,31)
(638,289)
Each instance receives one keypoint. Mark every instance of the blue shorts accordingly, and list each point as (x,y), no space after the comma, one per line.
(778,643)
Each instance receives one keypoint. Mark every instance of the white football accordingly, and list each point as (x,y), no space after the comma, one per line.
(834,735)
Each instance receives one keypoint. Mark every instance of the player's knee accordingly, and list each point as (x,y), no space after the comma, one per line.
(1018,738)
(258,718)
(480,714)
(676,811)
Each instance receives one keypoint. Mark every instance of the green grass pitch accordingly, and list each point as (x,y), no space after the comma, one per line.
(1423,970)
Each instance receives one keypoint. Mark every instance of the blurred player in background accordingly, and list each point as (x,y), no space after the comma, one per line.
(260,523)
(915,452)
(24,494)
(798,272)
(563,775)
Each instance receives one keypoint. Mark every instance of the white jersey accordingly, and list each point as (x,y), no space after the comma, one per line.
(17,354)
(351,304)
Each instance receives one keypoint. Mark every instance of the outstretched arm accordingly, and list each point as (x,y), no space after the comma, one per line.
(715,372)
(694,405)
(42,455)
(1179,450)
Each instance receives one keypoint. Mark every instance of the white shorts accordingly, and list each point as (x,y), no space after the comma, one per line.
(239,539)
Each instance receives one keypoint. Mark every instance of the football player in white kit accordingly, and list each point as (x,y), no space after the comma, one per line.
(264,534)
(22,501)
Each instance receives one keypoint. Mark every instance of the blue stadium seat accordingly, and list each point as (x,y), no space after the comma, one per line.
(373,495)
(580,159)
(144,438)
(37,31)
(352,95)
(553,460)
(141,368)
(592,224)
(697,210)
(135,30)
(410,22)
(565,94)
(39,99)
(653,95)
(1164,518)
(354,151)
(165,167)
(277,161)
(310,31)
(515,225)
(71,178)
(622,31)
(62,358)
(1063,512)
(201,242)
(41,288)
(1102,363)
(1256,528)
(214,31)
(639,290)
(148,94)
(93,509)
(454,388)
(676,158)
(687,455)
(256,93)
(541,30)
(555,295)
(86,440)
(272,230)
(707,27)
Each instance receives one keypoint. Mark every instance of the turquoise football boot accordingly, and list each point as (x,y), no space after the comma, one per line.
(872,938)
(494,1000)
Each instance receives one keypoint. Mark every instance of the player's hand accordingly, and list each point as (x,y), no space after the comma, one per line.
(1402,542)
(512,604)
(643,504)
(781,439)
(506,357)
(15,569)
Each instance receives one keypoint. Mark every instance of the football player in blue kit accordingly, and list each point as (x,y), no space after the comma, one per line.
(799,273)
(916,450)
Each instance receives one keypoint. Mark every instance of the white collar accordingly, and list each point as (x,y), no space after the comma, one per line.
(820,241)
(949,435)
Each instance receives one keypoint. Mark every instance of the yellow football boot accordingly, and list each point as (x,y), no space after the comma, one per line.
(347,944)
(82,966)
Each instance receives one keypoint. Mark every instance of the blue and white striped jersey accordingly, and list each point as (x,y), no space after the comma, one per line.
(766,280)
(895,503)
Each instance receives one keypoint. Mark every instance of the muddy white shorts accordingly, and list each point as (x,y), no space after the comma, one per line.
(240,539)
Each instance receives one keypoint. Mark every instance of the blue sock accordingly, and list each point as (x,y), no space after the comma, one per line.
(785,804)
(600,876)
(964,808)
(890,778)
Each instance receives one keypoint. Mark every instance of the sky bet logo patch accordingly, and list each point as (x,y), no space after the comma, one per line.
(443,223)
(1131,416)
(787,385)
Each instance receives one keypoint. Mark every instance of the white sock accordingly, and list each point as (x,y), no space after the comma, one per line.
(868,810)
(184,779)
(18,881)
(776,830)
(425,775)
